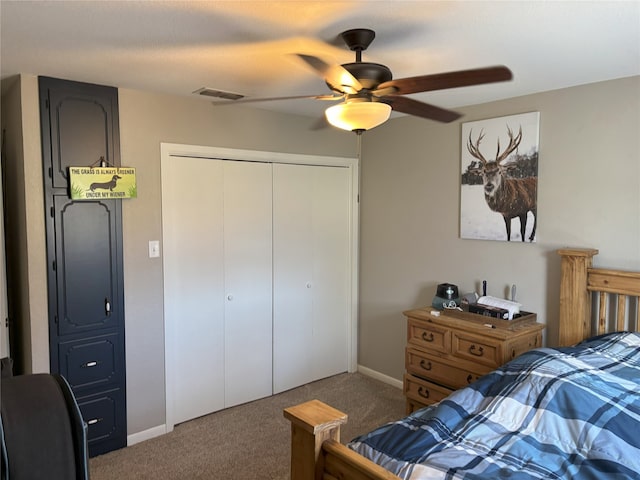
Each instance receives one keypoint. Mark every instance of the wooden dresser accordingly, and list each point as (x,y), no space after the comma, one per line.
(448,352)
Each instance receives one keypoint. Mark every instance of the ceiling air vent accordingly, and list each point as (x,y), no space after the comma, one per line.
(211,92)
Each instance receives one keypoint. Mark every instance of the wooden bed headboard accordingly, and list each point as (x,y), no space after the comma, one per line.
(594,301)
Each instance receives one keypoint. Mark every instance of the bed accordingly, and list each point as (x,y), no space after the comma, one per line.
(566,412)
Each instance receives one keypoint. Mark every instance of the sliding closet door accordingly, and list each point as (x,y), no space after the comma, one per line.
(247,267)
(193,219)
(312,264)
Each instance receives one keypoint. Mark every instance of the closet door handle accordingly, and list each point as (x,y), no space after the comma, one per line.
(107,307)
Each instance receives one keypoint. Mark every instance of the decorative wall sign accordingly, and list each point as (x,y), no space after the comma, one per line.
(99,183)
(499,180)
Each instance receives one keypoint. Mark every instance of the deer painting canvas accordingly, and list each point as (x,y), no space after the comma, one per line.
(499,178)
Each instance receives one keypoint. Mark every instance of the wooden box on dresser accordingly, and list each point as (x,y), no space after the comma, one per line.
(450,351)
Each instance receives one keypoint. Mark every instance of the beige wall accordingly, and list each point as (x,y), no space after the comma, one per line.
(26,253)
(588,196)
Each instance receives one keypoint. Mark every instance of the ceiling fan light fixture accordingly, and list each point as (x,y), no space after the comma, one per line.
(358,116)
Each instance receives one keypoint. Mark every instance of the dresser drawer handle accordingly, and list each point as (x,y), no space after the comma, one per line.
(477,353)
(90,364)
(425,365)
(427,338)
(423,392)
(93,421)
(470,378)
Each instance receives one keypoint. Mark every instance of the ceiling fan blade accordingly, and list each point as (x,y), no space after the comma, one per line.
(271,99)
(441,81)
(336,76)
(420,109)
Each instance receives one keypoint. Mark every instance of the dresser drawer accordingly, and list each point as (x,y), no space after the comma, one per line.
(106,429)
(91,363)
(423,391)
(476,349)
(524,344)
(442,371)
(428,336)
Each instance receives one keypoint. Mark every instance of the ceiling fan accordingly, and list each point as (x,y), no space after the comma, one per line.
(369,93)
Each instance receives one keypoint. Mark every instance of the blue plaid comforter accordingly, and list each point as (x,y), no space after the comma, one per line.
(565,413)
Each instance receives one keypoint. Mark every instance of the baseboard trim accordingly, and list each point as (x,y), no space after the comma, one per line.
(146,435)
(380,376)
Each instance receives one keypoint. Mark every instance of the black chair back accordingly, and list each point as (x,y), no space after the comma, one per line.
(43,434)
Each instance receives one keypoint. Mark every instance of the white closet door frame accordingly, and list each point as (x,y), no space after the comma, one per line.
(169,150)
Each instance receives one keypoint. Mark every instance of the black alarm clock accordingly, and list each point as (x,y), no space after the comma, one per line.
(447,296)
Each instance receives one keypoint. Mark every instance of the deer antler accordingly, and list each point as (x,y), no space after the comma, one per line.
(474,150)
(513,144)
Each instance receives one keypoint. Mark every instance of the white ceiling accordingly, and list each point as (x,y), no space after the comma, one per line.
(178,47)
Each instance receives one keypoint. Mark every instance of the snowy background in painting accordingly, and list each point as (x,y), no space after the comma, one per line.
(477,220)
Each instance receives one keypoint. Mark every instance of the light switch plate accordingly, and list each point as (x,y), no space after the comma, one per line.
(154,248)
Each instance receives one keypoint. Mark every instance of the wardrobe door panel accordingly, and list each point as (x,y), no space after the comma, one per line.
(311,273)
(247,281)
(84,122)
(194,282)
(331,270)
(86,243)
(292,268)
